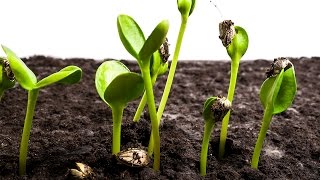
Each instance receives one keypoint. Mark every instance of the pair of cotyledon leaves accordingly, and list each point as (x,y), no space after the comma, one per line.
(27,79)
(115,84)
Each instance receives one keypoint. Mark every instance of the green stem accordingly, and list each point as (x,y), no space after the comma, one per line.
(143,101)
(172,70)
(263,131)
(169,82)
(153,115)
(225,121)
(117,112)
(204,150)
(32,99)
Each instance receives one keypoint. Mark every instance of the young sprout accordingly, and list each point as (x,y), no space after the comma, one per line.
(28,81)
(276,95)
(7,80)
(236,41)
(185,8)
(215,108)
(133,40)
(117,86)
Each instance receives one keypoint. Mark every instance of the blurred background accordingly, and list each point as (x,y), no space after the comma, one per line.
(87,28)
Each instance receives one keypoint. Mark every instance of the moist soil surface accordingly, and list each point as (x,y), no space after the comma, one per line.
(72,124)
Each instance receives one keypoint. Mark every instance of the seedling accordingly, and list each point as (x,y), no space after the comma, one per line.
(27,79)
(133,40)
(236,41)
(7,80)
(215,108)
(117,86)
(185,8)
(276,95)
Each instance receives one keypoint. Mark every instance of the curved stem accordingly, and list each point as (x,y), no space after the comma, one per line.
(143,102)
(204,149)
(225,121)
(117,112)
(153,115)
(170,78)
(32,99)
(262,134)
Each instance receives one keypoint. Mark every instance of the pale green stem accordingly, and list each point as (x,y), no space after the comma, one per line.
(172,70)
(169,82)
(153,116)
(117,112)
(32,99)
(263,131)
(143,101)
(204,149)
(225,121)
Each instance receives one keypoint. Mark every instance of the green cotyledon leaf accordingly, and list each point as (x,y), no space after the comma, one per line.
(154,41)
(116,85)
(130,34)
(23,75)
(67,75)
(239,44)
(286,89)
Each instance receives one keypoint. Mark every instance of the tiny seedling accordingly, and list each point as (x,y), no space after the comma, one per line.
(27,79)
(215,108)
(276,95)
(7,80)
(236,41)
(185,8)
(133,40)
(117,86)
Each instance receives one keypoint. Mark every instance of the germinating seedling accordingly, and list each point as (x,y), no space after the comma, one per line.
(27,79)
(276,95)
(214,109)
(185,8)
(133,40)
(236,41)
(117,86)
(7,80)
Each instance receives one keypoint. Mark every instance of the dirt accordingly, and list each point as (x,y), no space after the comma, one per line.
(72,124)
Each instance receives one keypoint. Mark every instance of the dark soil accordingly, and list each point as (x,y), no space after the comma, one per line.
(72,124)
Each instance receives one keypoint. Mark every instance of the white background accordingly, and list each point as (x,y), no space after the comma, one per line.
(87,28)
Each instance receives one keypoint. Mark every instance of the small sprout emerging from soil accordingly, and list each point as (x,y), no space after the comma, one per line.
(83,171)
(214,110)
(27,80)
(117,86)
(186,8)
(236,41)
(276,95)
(133,157)
(143,50)
(7,80)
